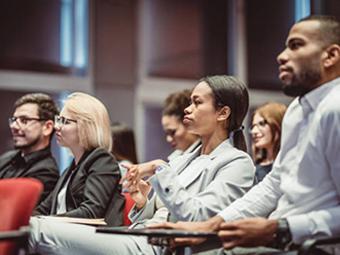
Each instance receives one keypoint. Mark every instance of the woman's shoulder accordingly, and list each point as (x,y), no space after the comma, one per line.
(231,154)
(99,154)
(99,160)
(227,151)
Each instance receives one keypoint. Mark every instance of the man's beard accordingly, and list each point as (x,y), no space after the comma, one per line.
(303,83)
(28,145)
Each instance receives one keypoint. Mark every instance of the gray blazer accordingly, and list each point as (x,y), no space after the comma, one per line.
(214,181)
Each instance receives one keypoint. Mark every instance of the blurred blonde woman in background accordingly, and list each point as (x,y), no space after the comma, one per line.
(88,185)
(266,135)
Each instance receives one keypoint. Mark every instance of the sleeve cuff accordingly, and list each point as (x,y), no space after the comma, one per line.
(229,214)
(159,180)
(299,228)
(134,214)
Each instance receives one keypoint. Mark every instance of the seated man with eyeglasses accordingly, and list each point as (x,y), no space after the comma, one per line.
(32,127)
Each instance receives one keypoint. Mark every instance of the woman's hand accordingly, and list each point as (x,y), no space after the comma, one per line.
(139,193)
(133,183)
(136,172)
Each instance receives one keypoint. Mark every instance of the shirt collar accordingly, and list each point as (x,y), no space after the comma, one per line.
(82,158)
(197,152)
(221,148)
(314,97)
(37,154)
(193,146)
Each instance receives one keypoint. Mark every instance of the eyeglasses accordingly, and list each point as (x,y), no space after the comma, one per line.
(22,120)
(60,120)
(260,125)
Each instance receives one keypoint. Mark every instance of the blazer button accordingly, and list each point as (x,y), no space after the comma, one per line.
(167,190)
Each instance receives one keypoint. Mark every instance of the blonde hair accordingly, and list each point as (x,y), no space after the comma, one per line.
(273,114)
(93,120)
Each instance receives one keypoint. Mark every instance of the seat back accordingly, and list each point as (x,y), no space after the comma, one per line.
(129,202)
(18,198)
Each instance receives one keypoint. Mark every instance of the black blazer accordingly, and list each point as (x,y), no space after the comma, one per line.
(39,165)
(93,184)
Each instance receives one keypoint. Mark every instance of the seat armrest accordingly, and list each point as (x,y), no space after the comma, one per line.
(22,233)
(310,244)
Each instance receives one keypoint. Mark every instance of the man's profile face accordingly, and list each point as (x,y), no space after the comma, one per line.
(300,63)
(27,129)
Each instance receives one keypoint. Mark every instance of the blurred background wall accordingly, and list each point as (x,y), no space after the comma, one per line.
(132,53)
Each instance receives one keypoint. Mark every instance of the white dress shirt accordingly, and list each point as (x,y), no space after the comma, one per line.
(61,204)
(304,185)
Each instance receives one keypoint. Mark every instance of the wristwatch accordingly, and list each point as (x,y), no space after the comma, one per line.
(283,236)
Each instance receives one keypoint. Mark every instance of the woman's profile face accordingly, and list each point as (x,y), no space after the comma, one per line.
(67,130)
(176,133)
(201,116)
(260,132)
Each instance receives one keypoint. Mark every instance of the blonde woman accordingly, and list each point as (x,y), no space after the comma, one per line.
(87,187)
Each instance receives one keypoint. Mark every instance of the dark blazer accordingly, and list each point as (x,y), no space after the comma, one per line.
(39,165)
(93,184)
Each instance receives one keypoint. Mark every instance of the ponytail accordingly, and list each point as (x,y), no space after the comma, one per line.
(237,139)
(231,92)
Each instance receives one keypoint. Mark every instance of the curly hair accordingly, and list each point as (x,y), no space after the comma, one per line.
(176,102)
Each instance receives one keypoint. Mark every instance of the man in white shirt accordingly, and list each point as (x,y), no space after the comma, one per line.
(300,198)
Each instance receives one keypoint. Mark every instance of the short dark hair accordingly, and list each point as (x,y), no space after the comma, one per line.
(330,28)
(47,108)
(175,103)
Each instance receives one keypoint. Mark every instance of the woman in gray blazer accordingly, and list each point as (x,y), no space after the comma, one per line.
(192,187)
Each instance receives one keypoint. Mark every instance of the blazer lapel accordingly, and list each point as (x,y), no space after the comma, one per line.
(196,174)
(205,162)
(181,162)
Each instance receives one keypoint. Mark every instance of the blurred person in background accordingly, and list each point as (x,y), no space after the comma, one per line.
(32,128)
(124,145)
(265,132)
(176,133)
